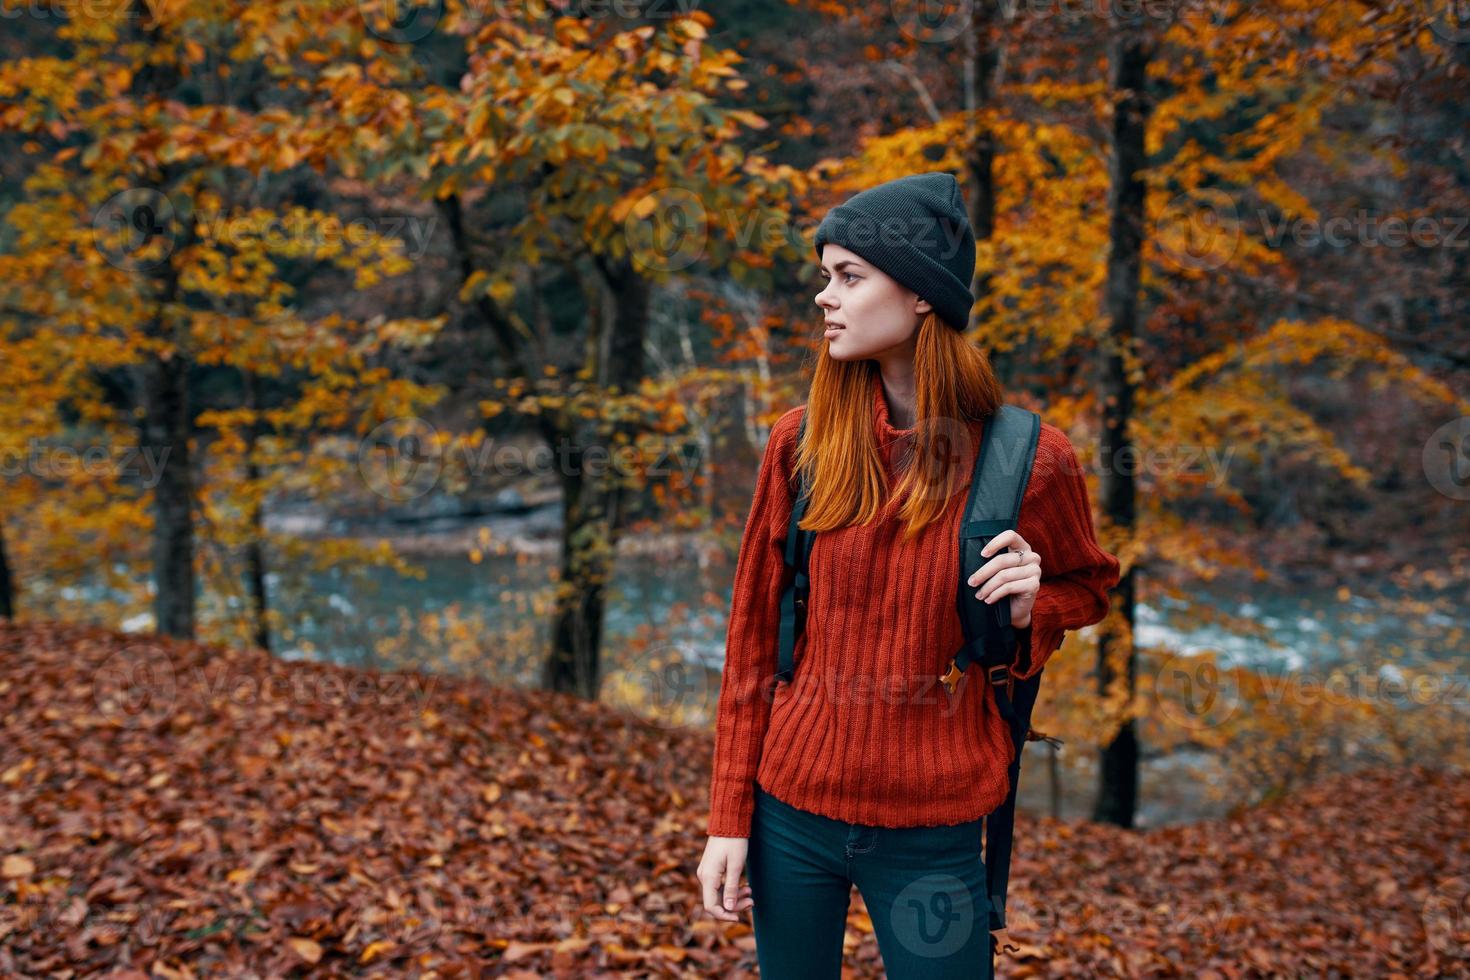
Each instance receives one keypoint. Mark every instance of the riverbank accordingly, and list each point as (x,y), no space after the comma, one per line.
(176,809)
(516,520)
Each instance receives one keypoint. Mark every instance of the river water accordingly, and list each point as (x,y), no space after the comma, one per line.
(665,625)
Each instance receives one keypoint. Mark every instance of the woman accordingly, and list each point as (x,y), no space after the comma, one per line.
(864,770)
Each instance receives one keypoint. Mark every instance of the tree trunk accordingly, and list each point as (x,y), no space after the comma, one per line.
(162,382)
(1129,52)
(255,550)
(592,509)
(589,547)
(981,69)
(165,395)
(7,597)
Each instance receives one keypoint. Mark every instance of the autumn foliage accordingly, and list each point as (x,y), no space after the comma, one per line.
(178,810)
(274,243)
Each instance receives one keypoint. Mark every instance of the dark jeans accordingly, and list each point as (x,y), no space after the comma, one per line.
(924,888)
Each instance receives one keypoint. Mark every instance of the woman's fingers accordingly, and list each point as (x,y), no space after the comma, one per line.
(1025,579)
(732,884)
(709,883)
(1018,587)
(715,885)
(1006,567)
(999,558)
(1009,538)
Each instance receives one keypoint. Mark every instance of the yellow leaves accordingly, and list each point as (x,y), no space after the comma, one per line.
(344,71)
(477,122)
(118,82)
(629,43)
(502,291)
(751,119)
(570,31)
(307,949)
(17,866)
(641,207)
(12,776)
(375,949)
(334,826)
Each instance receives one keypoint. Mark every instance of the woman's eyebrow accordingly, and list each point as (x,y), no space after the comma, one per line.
(841,264)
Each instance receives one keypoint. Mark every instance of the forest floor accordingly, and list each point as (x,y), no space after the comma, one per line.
(175,810)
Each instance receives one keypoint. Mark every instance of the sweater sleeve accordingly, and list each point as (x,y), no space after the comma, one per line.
(1056,521)
(749,676)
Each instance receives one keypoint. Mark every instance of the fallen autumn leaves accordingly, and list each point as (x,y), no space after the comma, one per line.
(175,810)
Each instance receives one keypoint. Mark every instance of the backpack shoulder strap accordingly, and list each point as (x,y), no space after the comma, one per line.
(1002,472)
(997,486)
(794,596)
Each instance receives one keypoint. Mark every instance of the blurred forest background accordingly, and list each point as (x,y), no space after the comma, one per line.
(443,341)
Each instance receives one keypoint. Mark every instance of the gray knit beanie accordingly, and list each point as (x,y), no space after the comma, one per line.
(917,230)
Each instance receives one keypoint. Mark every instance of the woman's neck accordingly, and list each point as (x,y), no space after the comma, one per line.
(899,393)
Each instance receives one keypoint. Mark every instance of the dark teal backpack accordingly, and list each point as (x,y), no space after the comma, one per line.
(1002,470)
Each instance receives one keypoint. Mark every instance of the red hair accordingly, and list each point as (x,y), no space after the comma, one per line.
(954,383)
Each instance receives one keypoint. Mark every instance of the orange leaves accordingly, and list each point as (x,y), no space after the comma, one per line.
(17,866)
(747,117)
(309,951)
(492,859)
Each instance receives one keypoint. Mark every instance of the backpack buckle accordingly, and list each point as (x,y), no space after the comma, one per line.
(951,677)
(999,676)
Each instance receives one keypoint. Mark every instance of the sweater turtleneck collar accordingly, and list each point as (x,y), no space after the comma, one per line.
(886,432)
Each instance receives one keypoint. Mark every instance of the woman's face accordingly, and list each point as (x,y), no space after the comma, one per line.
(868,313)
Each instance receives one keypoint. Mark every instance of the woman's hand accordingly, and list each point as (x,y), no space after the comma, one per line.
(719,878)
(1015,573)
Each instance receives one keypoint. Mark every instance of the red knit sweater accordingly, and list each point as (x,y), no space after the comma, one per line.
(865,733)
